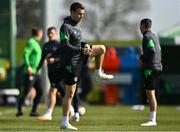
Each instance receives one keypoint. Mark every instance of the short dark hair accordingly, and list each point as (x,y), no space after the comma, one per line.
(146,22)
(35,31)
(75,6)
(50,29)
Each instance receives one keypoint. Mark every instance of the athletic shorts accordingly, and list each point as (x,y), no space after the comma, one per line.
(69,73)
(151,79)
(55,78)
(56,81)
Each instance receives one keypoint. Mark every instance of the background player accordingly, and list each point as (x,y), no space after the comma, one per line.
(151,60)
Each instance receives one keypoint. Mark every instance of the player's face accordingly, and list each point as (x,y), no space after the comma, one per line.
(52,35)
(40,35)
(142,28)
(77,15)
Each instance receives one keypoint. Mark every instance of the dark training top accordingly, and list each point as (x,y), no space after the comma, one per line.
(70,50)
(151,56)
(48,48)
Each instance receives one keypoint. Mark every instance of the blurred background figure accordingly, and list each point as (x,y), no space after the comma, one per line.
(49,47)
(30,97)
(86,82)
(152,67)
(32,56)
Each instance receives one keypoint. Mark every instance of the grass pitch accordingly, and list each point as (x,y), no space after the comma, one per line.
(97,118)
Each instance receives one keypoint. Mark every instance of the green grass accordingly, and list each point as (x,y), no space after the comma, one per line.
(97,118)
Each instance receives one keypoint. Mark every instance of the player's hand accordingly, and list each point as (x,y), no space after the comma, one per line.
(51,60)
(48,55)
(29,70)
(141,63)
(87,46)
(87,50)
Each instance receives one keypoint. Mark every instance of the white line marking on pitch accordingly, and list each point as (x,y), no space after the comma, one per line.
(5,112)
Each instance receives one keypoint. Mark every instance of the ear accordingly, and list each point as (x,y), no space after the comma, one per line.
(72,12)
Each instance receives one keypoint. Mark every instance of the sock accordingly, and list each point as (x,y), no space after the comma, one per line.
(153,115)
(49,111)
(65,120)
(98,71)
(76,114)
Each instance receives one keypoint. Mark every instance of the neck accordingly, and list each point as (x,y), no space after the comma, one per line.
(146,30)
(37,38)
(74,21)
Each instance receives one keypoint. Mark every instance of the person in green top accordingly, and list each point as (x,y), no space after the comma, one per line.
(32,57)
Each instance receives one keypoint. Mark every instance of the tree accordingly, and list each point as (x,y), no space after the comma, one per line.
(112,19)
(28,13)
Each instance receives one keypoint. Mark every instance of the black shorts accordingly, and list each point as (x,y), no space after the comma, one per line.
(69,73)
(32,81)
(55,78)
(151,79)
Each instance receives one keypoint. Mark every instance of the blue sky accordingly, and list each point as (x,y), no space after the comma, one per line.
(165,14)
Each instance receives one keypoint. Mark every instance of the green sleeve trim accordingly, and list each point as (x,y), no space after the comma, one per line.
(150,44)
(63,36)
(69,68)
(147,73)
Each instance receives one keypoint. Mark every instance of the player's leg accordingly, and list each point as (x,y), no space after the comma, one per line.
(70,90)
(30,96)
(99,53)
(59,86)
(56,84)
(38,96)
(28,83)
(152,103)
(51,105)
(74,111)
(52,100)
(75,116)
(153,107)
(85,83)
(54,81)
(151,84)
(70,75)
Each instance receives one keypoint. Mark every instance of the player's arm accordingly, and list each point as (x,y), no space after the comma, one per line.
(52,58)
(150,48)
(149,52)
(27,52)
(44,54)
(55,55)
(64,38)
(142,58)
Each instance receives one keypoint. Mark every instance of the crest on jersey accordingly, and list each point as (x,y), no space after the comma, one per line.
(75,79)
